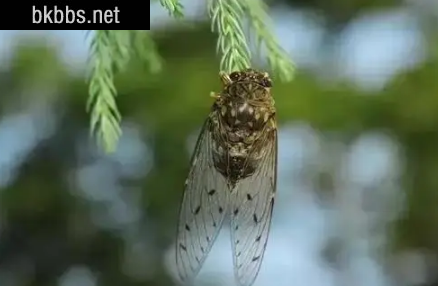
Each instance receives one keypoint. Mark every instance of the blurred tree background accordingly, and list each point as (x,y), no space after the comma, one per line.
(73,216)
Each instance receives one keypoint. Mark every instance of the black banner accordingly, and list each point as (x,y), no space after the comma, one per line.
(75,15)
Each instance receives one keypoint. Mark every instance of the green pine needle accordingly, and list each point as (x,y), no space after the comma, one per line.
(225,16)
(105,117)
(145,49)
(278,59)
(174,8)
(119,42)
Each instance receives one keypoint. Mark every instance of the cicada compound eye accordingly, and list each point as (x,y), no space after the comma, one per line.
(235,76)
(266,82)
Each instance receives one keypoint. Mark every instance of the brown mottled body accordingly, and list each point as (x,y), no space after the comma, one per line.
(233,174)
(243,120)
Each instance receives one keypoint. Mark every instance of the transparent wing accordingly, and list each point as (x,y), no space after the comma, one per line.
(252,204)
(203,207)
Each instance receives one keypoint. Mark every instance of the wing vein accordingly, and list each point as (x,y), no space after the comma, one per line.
(200,219)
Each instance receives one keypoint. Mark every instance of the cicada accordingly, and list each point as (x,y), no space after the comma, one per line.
(233,174)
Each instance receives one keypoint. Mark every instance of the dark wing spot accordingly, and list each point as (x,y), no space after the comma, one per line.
(255,218)
(249,197)
(255,258)
(237,241)
(202,249)
(239,253)
(183,247)
(198,208)
(211,192)
(214,224)
(221,210)
(236,212)
(258,238)
(187,227)
(236,227)
(208,239)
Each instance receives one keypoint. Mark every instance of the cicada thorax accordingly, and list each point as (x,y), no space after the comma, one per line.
(239,138)
(245,115)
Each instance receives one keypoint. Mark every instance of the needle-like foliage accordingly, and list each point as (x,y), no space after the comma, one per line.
(278,60)
(105,117)
(111,50)
(225,17)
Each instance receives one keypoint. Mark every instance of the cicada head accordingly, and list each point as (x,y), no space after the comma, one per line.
(247,84)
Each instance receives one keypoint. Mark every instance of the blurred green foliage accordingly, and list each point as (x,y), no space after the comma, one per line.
(339,13)
(44,220)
